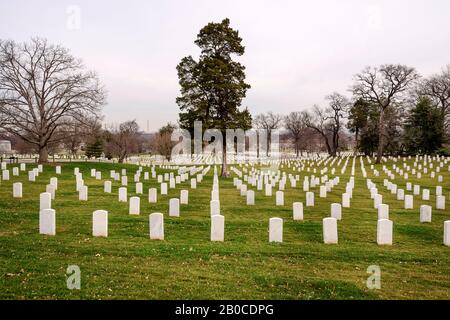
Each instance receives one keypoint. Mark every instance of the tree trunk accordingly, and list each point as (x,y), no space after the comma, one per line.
(327,144)
(43,154)
(380,136)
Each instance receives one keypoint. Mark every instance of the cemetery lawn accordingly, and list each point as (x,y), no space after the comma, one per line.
(186,265)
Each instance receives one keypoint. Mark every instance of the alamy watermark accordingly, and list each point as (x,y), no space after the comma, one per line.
(73,281)
(374,280)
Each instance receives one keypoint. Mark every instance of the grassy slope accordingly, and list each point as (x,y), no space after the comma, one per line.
(187,265)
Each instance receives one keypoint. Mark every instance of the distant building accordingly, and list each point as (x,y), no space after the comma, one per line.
(5,146)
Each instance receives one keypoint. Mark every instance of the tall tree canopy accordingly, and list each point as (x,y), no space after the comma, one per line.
(213,87)
(42,89)
(424,128)
(384,87)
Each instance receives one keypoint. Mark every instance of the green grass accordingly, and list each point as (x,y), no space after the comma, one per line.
(186,265)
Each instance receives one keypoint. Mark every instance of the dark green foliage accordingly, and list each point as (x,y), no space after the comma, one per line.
(94,149)
(424,128)
(212,89)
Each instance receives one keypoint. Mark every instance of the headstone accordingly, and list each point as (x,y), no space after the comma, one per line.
(17,190)
(31,176)
(50,189)
(5,175)
(139,188)
(425,213)
(156,226)
(440,202)
(217,228)
(425,194)
(45,201)
(83,194)
(345,200)
(336,211)
(447,233)
(279,198)
(377,200)
(323,191)
(98,175)
(152,195)
(310,199)
(243,190)
(47,222)
(276,230)
(400,194)
(193,183)
(383,212)
(250,197)
(214,207)
(297,208)
(107,186)
(184,197)
(384,232)
(123,197)
(54,182)
(409,204)
(58,169)
(135,206)
(174,207)
(164,188)
(268,190)
(100,223)
(330,233)
(124,180)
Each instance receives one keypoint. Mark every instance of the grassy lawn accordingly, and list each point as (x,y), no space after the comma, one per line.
(186,265)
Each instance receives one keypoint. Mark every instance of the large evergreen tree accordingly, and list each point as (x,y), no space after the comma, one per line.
(213,87)
(95,148)
(424,128)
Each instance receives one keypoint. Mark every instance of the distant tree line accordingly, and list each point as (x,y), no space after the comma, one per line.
(392,111)
(50,103)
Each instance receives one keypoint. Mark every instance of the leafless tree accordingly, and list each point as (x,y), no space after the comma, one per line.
(162,141)
(338,107)
(268,122)
(385,87)
(437,88)
(123,140)
(317,120)
(75,133)
(296,126)
(42,88)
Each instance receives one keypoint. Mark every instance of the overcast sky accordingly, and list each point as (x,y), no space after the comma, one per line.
(296,51)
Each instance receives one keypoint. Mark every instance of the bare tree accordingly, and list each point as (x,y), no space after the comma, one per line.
(268,122)
(42,88)
(437,88)
(123,140)
(76,132)
(336,111)
(162,141)
(385,87)
(296,126)
(318,121)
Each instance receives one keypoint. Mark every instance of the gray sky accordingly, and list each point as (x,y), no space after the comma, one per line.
(296,51)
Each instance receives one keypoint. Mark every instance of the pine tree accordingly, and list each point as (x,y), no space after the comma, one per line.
(94,149)
(213,87)
(424,128)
